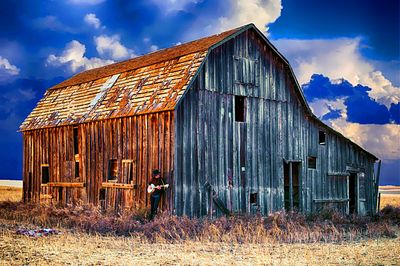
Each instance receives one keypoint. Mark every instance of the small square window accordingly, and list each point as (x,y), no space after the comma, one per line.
(322,137)
(253,198)
(240,109)
(312,162)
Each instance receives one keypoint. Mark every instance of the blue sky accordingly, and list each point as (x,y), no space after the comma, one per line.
(344,53)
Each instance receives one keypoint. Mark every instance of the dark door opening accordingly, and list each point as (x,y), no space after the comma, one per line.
(353,202)
(291,172)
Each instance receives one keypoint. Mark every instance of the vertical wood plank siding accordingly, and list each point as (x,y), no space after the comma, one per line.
(147,140)
(209,142)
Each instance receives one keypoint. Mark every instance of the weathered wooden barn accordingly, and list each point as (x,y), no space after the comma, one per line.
(222,117)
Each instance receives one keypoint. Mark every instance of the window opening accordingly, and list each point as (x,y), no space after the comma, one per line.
(240,108)
(45,174)
(312,162)
(322,137)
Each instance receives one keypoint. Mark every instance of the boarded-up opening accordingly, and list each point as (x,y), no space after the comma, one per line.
(353,189)
(45,174)
(322,137)
(76,140)
(112,170)
(291,185)
(312,162)
(240,109)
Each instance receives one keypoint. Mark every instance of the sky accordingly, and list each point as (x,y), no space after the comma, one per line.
(345,54)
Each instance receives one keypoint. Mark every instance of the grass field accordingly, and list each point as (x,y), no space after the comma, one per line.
(76,247)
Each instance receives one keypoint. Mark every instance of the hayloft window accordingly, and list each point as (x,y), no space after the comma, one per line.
(312,162)
(112,170)
(322,137)
(76,140)
(45,174)
(253,198)
(240,109)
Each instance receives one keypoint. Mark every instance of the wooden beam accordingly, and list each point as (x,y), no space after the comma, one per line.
(339,174)
(117,185)
(330,200)
(46,196)
(63,184)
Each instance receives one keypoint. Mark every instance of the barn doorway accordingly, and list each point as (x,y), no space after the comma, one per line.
(291,172)
(353,193)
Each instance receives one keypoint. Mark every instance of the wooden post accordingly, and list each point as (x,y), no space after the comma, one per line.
(379,202)
(377,186)
(291,185)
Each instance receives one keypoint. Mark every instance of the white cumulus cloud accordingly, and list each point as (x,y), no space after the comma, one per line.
(381,140)
(336,59)
(259,12)
(92,20)
(73,57)
(110,46)
(7,69)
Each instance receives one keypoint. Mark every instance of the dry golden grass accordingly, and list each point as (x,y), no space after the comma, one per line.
(393,200)
(81,248)
(10,193)
(78,248)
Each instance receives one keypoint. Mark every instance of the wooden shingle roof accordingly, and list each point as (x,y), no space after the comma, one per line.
(150,83)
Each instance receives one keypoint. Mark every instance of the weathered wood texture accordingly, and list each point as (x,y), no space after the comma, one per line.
(242,158)
(138,144)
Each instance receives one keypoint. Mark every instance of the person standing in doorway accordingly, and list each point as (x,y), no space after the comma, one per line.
(157,188)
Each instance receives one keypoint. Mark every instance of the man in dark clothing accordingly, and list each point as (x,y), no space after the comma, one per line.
(158,184)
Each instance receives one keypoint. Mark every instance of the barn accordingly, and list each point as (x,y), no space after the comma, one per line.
(222,117)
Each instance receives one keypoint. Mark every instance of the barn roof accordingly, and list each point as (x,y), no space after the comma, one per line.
(150,83)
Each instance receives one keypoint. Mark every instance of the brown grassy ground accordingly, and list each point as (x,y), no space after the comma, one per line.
(81,248)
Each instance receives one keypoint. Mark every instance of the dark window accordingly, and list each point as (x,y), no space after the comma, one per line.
(112,170)
(240,109)
(76,169)
(322,137)
(312,162)
(102,194)
(45,174)
(253,198)
(76,141)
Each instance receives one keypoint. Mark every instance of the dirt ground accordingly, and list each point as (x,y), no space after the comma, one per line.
(81,248)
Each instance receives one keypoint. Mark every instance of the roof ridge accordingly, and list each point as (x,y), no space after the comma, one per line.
(148,59)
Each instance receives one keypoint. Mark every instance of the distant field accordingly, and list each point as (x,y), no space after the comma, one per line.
(81,248)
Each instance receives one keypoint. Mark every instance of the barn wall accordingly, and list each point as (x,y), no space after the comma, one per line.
(241,158)
(146,140)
